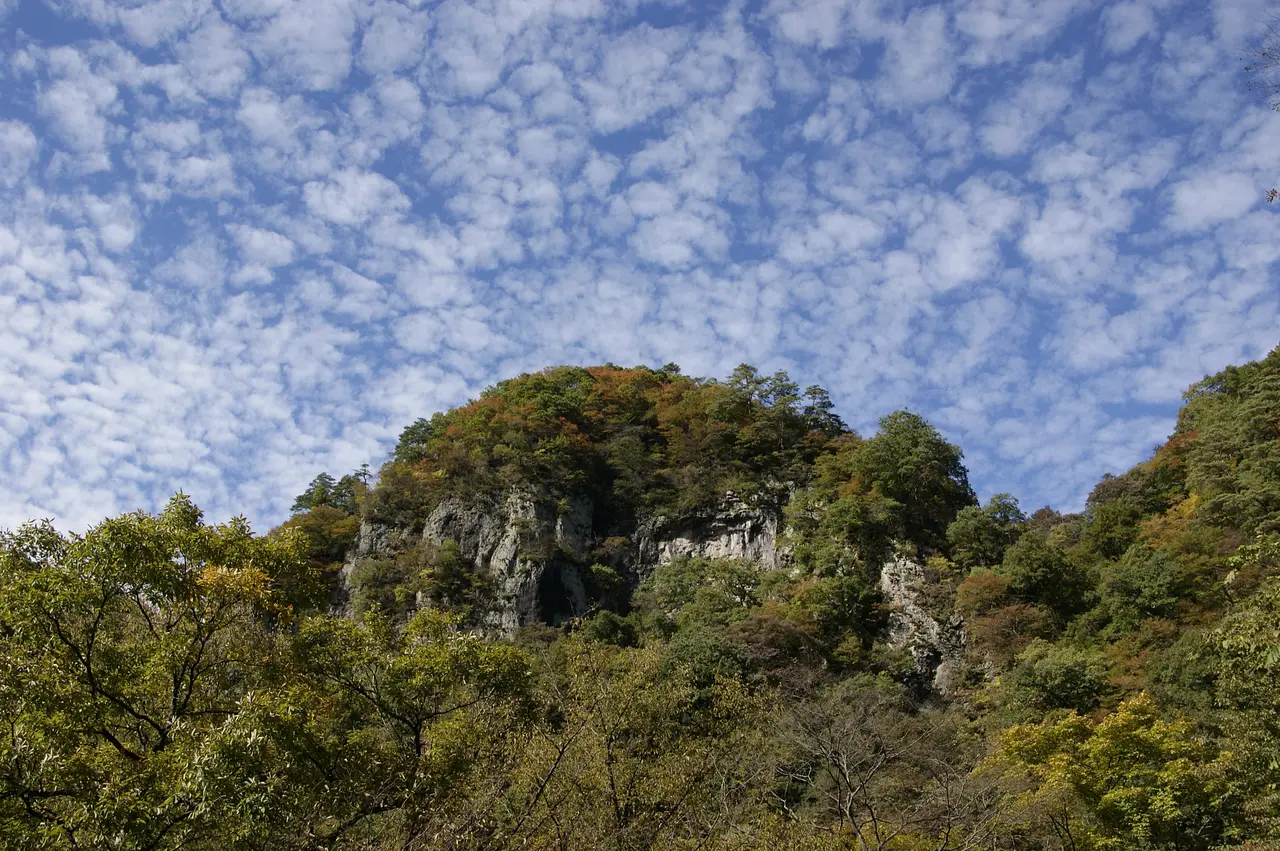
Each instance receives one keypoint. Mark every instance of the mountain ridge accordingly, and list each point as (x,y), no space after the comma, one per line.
(630,609)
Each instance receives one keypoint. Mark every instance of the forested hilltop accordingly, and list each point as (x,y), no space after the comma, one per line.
(629,609)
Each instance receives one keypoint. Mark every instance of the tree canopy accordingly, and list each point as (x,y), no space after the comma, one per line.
(170,683)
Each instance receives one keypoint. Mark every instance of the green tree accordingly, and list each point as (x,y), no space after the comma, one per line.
(819,412)
(1144,583)
(415,438)
(909,462)
(329,533)
(980,536)
(847,614)
(1245,653)
(842,530)
(1233,459)
(124,656)
(1131,781)
(1038,572)
(639,755)
(392,735)
(343,494)
(450,582)
(687,592)
(1049,676)
(1111,528)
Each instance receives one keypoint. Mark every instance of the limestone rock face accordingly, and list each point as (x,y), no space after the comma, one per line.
(937,644)
(536,552)
(374,540)
(535,549)
(734,531)
(531,548)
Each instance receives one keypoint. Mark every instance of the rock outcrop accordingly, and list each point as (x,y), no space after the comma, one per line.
(535,549)
(735,531)
(532,549)
(936,641)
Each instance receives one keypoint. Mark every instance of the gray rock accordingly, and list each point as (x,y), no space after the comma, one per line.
(529,546)
(938,647)
(734,531)
(535,549)
(530,549)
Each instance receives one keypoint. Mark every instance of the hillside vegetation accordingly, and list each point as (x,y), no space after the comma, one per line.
(166,683)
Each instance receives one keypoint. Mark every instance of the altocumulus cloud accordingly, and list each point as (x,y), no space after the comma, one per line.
(241,242)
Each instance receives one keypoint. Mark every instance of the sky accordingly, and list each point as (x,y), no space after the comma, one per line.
(244,241)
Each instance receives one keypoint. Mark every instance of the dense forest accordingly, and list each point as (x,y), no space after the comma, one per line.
(168,683)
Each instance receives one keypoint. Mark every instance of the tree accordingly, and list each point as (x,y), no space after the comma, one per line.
(909,462)
(862,763)
(1235,452)
(838,524)
(125,655)
(1144,583)
(399,735)
(450,582)
(638,755)
(819,412)
(1055,676)
(688,592)
(1245,656)
(1038,572)
(342,494)
(980,536)
(416,437)
(329,533)
(1131,781)
(319,492)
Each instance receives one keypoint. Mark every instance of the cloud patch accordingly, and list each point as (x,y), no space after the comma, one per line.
(242,242)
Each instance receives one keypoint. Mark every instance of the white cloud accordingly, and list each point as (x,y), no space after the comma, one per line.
(1205,200)
(961,235)
(76,102)
(18,151)
(635,79)
(834,236)
(819,22)
(1013,123)
(918,66)
(352,197)
(242,242)
(1127,24)
(144,22)
(677,239)
(262,250)
(214,56)
(305,42)
(394,38)
(1003,30)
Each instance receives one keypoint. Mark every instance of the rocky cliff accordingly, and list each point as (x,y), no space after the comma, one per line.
(536,551)
(735,530)
(935,639)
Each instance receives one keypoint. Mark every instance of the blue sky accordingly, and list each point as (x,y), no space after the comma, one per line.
(248,240)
